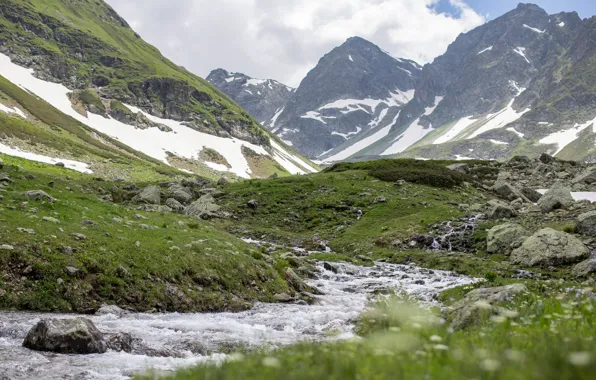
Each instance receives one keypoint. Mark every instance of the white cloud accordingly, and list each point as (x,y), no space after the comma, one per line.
(285,39)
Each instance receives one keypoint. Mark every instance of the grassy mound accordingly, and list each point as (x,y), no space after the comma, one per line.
(431,173)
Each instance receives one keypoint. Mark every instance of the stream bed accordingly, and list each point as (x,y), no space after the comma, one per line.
(183,340)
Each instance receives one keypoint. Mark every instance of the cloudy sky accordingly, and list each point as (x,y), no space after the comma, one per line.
(284,39)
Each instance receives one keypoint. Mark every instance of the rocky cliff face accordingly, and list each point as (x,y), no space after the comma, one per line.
(354,91)
(262,98)
(511,85)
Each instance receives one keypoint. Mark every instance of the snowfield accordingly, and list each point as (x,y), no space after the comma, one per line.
(184,142)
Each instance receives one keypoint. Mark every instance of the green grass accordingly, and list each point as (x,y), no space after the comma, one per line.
(294,209)
(178,264)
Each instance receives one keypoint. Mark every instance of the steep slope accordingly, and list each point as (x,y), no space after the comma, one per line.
(491,94)
(353,90)
(89,64)
(262,98)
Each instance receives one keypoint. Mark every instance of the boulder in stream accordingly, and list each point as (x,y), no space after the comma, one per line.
(66,336)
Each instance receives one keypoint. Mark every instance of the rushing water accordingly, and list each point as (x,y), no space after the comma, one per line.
(188,339)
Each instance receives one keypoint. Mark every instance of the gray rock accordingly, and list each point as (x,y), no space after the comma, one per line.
(549,247)
(584,268)
(175,205)
(507,191)
(253,204)
(460,168)
(586,223)
(150,194)
(532,195)
(505,238)
(501,211)
(222,181)
(6,247)
(479,304)
(66,336)
(203,208)
(29,231)
(587,177)
(380,200)
(559,196)
(180,193)
(50,219)
(283,297)
(111,309)
(78,236)
(39,195)
(71,270)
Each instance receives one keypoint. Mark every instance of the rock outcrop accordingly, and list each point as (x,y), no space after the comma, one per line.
(66,336)
(549,247)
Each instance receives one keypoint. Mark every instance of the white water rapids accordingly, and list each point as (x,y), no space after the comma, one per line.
(346,296)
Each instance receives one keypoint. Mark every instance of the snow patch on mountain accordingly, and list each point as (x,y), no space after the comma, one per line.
(567,136)
(534,29)
(14,110)
(183,142)
(364,143)
(522,52)
(71,164)
(485,50)
(459,127)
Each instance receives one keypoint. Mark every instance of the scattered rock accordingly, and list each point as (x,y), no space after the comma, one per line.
(532,195)
(203,208)
(78,236)
(222,181)
(330,267)
(71,270)
(26,230)
(175,205)
(50,219)
(253,204)
(39,195)
(547,159)
(380,200)
(283,297)
(587,177)
(507,191)
(501,211)
(586,223)
(150,194)
(66,336)
(88,222)
(60,164)
(460,168)
(559,196)
(478,304)
(505,238)
(549,247)
(584,268)
(6,247)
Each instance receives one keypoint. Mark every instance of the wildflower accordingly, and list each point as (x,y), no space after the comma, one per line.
(509,313)
(490,365)
(441,347)
(235,357)
(498,319)
(483,305)
(436,339)
(580,359)
(271,362)
(514,355)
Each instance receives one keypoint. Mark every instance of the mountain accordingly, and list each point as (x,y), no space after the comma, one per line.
(262,98)
(354,91)
(520,84)
(84,64)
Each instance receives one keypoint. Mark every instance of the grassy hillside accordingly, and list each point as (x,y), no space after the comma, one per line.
(140,260)
(90,45)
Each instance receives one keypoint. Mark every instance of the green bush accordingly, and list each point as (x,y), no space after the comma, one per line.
(431,173)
